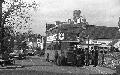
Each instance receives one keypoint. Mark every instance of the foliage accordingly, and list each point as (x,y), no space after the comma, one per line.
(112,60)
(16,13)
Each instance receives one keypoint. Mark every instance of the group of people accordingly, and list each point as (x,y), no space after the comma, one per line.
(88,57)
(84,56)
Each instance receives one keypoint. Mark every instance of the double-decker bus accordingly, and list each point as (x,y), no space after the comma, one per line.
(62,40)
(66,52)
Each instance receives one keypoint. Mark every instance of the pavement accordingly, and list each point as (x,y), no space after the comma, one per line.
(102,70)
(91,69)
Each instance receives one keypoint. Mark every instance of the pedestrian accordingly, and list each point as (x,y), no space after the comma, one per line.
(79,57)
(103,53)
(95,56)
(83,57)
(56,56)
(92,56)
(47,59)
(5,55)
(87,56)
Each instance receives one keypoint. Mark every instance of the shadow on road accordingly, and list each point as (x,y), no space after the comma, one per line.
(12,70)
(36,65)
(33,72)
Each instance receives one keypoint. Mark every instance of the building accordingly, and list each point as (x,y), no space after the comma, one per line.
(77,30)
(40,42)
(35,42)
(115,43)
(99,41)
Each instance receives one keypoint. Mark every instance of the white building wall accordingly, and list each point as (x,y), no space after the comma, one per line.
(98,41)
(40,43)
(117,45)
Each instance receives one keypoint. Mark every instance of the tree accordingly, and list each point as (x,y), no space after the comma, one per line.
(15,15)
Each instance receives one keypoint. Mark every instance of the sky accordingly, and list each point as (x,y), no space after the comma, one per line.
(97,12)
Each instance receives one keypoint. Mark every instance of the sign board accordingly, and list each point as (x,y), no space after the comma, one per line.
(51,38)
(61,36)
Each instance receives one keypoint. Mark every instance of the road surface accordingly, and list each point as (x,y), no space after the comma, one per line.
(39,64)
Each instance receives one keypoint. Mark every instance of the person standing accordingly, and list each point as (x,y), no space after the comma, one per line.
(95,56)
(56,56)
(83,57)
(103,53)
(87,56)
(47,59)
(80,57)
(92,56)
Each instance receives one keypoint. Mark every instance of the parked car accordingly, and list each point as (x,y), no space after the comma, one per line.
(30,52)
(18,54)
(22,56)
(14,55)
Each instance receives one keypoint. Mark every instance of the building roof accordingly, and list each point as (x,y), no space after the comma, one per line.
(102,39)
(48,26)
(95,32)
